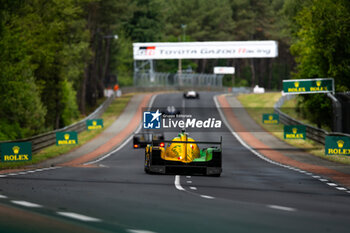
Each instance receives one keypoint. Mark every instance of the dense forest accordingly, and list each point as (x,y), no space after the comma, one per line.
(57,56)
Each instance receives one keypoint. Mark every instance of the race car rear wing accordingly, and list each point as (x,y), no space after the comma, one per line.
(141,140)
(148,133)
(158,142)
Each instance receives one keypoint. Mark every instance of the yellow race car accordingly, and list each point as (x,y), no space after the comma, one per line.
(183,155)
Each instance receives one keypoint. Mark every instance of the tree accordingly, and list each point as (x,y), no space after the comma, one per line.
(21,110)
(59,47)
(322,48)
(104,19)
(147,22)
(255,20)
(204,20)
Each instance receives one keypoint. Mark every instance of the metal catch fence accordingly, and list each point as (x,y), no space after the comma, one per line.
(156,79)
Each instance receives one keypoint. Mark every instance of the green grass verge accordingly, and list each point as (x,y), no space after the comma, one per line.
(289,108)
(109,116)
(257,104)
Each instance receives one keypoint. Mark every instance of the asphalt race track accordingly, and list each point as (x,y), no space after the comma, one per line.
(115,195)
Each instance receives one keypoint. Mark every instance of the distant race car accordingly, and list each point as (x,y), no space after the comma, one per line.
(141,140)
(191,95)
(183,156)
(170,110)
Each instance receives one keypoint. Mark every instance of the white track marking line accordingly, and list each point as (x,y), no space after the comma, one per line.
(3,196)
(26,204)
(189,182)
(29,171)
(207,197)
(332,184)
(113,151)
(316,177)
(177,183)
(40,169)
(278,207)
(188,177)
(348,191)
(79,217)
(179,187)
(239,139)
(21,173)
(139,231)
(124,143)
(45,169)
(341,188)
(251,149)
(32,171)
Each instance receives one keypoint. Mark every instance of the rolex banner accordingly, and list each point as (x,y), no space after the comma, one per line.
(94,124)
(306,86)
(337,145)
(294,132)
(270,119)
(16,151)
(66,138)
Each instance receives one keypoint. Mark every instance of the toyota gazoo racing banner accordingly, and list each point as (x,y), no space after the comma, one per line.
(205,50)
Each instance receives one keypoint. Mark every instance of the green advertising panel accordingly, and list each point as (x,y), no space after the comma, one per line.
(94,124)
(66,138)
(337,145)
(16,151)
(307,86)
(270,119)
(294,132)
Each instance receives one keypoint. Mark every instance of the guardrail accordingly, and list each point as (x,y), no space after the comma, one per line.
(313,133)
(47,139)
(241,90)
